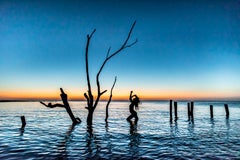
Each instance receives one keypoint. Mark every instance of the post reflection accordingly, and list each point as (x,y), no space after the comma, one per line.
(228,127)
(106,126)
(21,131)
(174,128)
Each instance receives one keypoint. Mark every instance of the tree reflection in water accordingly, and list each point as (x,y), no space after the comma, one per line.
(93,146)
(135,140)
(62,146)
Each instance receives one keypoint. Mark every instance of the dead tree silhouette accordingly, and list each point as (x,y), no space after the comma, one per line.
(110,99)
(64,105)
(92,101)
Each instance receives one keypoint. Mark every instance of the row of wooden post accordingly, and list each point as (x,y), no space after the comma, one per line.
(226,110)
(190,106)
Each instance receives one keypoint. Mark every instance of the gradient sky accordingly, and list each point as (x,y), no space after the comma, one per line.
(186,49)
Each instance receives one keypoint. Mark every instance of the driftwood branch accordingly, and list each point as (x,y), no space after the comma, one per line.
(64,105)
(110,99)
(50,105)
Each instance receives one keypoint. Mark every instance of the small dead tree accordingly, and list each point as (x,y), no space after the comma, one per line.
(91,101)
(64,97)
(110,99)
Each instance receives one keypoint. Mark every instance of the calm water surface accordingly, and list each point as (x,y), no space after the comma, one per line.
(49,134)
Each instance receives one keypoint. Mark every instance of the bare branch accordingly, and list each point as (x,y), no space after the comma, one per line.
(130,45)
(90,96)
(113,85)
(108,52)
(120,49)
(91,34)
(50,105)
(124,45)
(110,98)
(86,96)
(103,92)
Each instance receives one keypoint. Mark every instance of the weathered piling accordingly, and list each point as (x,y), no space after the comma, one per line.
(211,111)
(192,107)
(175,110)
(227,111)
(170,109)
(23,122)
(189,111)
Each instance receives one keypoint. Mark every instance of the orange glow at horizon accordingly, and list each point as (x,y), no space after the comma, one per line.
(146,95)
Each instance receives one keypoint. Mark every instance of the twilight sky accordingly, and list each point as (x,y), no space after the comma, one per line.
(186,49)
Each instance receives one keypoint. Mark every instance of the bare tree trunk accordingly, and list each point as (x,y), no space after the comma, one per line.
(67,107)
(89,96)
(110,99)
(89,117)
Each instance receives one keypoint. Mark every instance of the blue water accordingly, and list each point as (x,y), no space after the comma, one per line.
(49,134)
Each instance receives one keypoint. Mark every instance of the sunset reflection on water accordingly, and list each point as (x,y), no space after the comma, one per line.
(50,135)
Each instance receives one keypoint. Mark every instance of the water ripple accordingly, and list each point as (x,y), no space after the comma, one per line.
(50,135)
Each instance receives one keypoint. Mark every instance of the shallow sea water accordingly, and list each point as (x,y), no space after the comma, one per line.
(50,135)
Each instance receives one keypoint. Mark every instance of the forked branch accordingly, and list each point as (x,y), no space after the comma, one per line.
(89,97)
(109,56)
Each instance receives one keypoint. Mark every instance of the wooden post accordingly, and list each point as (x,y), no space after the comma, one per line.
(211,111)
(175,110)
(189,111)
(192,107)
(170,109)
(23,122)
(227,111)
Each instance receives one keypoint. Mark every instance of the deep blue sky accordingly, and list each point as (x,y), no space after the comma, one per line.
(185,48)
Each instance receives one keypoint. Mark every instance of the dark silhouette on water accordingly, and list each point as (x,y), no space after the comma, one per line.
(170,110)
(227,110)
(64,105)
(23,125)
(211,111)
(190,111)
(110,99)
(23,122)
(62,147)
(134,102)
(92,101)
(192,108)
(175,111)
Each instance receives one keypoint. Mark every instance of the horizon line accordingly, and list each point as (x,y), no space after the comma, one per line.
(121,100)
